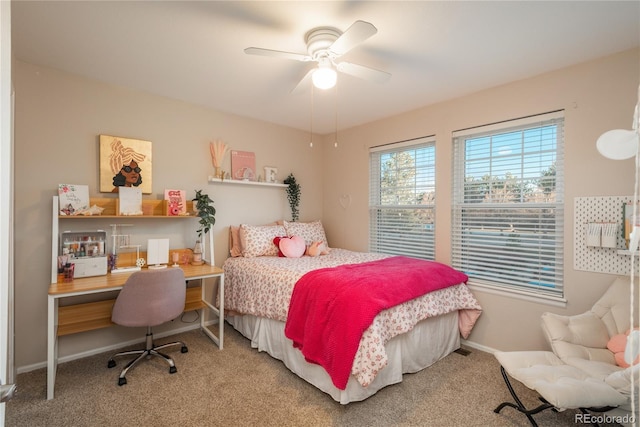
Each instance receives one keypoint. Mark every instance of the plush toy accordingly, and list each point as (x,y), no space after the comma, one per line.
(617,345)
(317,249)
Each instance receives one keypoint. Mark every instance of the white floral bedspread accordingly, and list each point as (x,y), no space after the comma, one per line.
(263,287)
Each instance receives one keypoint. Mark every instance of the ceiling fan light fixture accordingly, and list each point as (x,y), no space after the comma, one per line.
(324,77)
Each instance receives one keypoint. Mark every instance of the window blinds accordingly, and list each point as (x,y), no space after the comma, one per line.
(402,198)
(507,228)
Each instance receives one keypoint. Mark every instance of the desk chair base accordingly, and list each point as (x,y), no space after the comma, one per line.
(149,351)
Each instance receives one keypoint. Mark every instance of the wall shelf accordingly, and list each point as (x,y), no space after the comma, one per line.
(213,180)
(150,209)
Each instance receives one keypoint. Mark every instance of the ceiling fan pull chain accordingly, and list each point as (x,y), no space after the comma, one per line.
(311,126)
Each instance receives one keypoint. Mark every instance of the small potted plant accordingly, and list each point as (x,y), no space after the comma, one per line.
(206,212)
(293,195)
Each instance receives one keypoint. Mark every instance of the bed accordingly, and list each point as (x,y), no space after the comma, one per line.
(403,338)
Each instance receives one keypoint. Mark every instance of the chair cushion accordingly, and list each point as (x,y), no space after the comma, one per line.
(594,368)
(621,380)
(581,336)
(586,335)
(564,386)
(613,306)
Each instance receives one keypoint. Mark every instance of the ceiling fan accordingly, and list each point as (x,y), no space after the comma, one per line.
(324,46)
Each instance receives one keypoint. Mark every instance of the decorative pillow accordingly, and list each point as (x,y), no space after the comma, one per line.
(235,250)
(258,240)
(617,345)
(276,241)
(309,231)
(290,247)
(235,245)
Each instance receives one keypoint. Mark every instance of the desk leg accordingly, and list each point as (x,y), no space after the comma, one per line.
(52,345)
(219,311)
(203,311)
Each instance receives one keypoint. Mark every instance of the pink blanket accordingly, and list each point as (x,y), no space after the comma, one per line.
(331,307)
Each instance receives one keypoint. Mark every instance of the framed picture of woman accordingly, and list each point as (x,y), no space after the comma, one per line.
(124,162)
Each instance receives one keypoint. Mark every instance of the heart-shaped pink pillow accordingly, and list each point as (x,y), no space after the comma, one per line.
(292,247)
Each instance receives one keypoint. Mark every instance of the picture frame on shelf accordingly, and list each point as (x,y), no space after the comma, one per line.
(176,202)
(243,165)
(130,201)
(270,174)
(73,198)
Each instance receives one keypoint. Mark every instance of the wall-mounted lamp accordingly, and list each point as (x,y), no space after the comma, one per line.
(325,76)
(621,144)
(618,144)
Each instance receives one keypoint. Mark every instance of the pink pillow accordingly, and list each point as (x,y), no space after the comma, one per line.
(292,247)
(617,345)
(235,250)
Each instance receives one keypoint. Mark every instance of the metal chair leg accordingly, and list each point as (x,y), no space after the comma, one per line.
(149,351)
(519,405)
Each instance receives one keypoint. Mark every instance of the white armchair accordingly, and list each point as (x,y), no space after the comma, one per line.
(581,373)
(585,336)
(581,340)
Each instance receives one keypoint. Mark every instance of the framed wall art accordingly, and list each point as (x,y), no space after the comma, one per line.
(124,162)
(243,165)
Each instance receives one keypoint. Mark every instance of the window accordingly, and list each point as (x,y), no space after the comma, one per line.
(507,230)
(402,198)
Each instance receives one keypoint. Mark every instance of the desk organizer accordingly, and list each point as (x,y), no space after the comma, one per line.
(86,250)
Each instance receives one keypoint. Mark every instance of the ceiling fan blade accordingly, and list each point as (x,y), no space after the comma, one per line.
(358,32)
(363,72)
(304,82)
(277,54)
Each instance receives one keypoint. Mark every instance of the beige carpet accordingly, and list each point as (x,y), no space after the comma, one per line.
(240,387)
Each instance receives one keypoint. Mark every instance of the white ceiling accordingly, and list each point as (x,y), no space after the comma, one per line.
(435,50)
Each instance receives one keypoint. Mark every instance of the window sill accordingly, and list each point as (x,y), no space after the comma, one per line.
(522,295)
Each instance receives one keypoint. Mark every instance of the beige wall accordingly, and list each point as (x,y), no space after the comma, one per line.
(597,96)
(58,118)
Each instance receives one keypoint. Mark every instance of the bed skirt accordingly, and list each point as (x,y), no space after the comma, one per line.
(429,341)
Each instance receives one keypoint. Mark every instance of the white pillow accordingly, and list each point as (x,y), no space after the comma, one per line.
(309,231)
(258,240)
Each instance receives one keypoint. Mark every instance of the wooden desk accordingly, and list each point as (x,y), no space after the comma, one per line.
(88,316)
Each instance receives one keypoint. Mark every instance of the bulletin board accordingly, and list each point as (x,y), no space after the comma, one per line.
(599,259)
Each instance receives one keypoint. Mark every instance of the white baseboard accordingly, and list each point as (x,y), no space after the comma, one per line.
(113,347)
(478,346)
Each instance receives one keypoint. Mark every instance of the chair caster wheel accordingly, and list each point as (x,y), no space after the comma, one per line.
(111,364)
(184,349)
(122,381)
(173,370)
